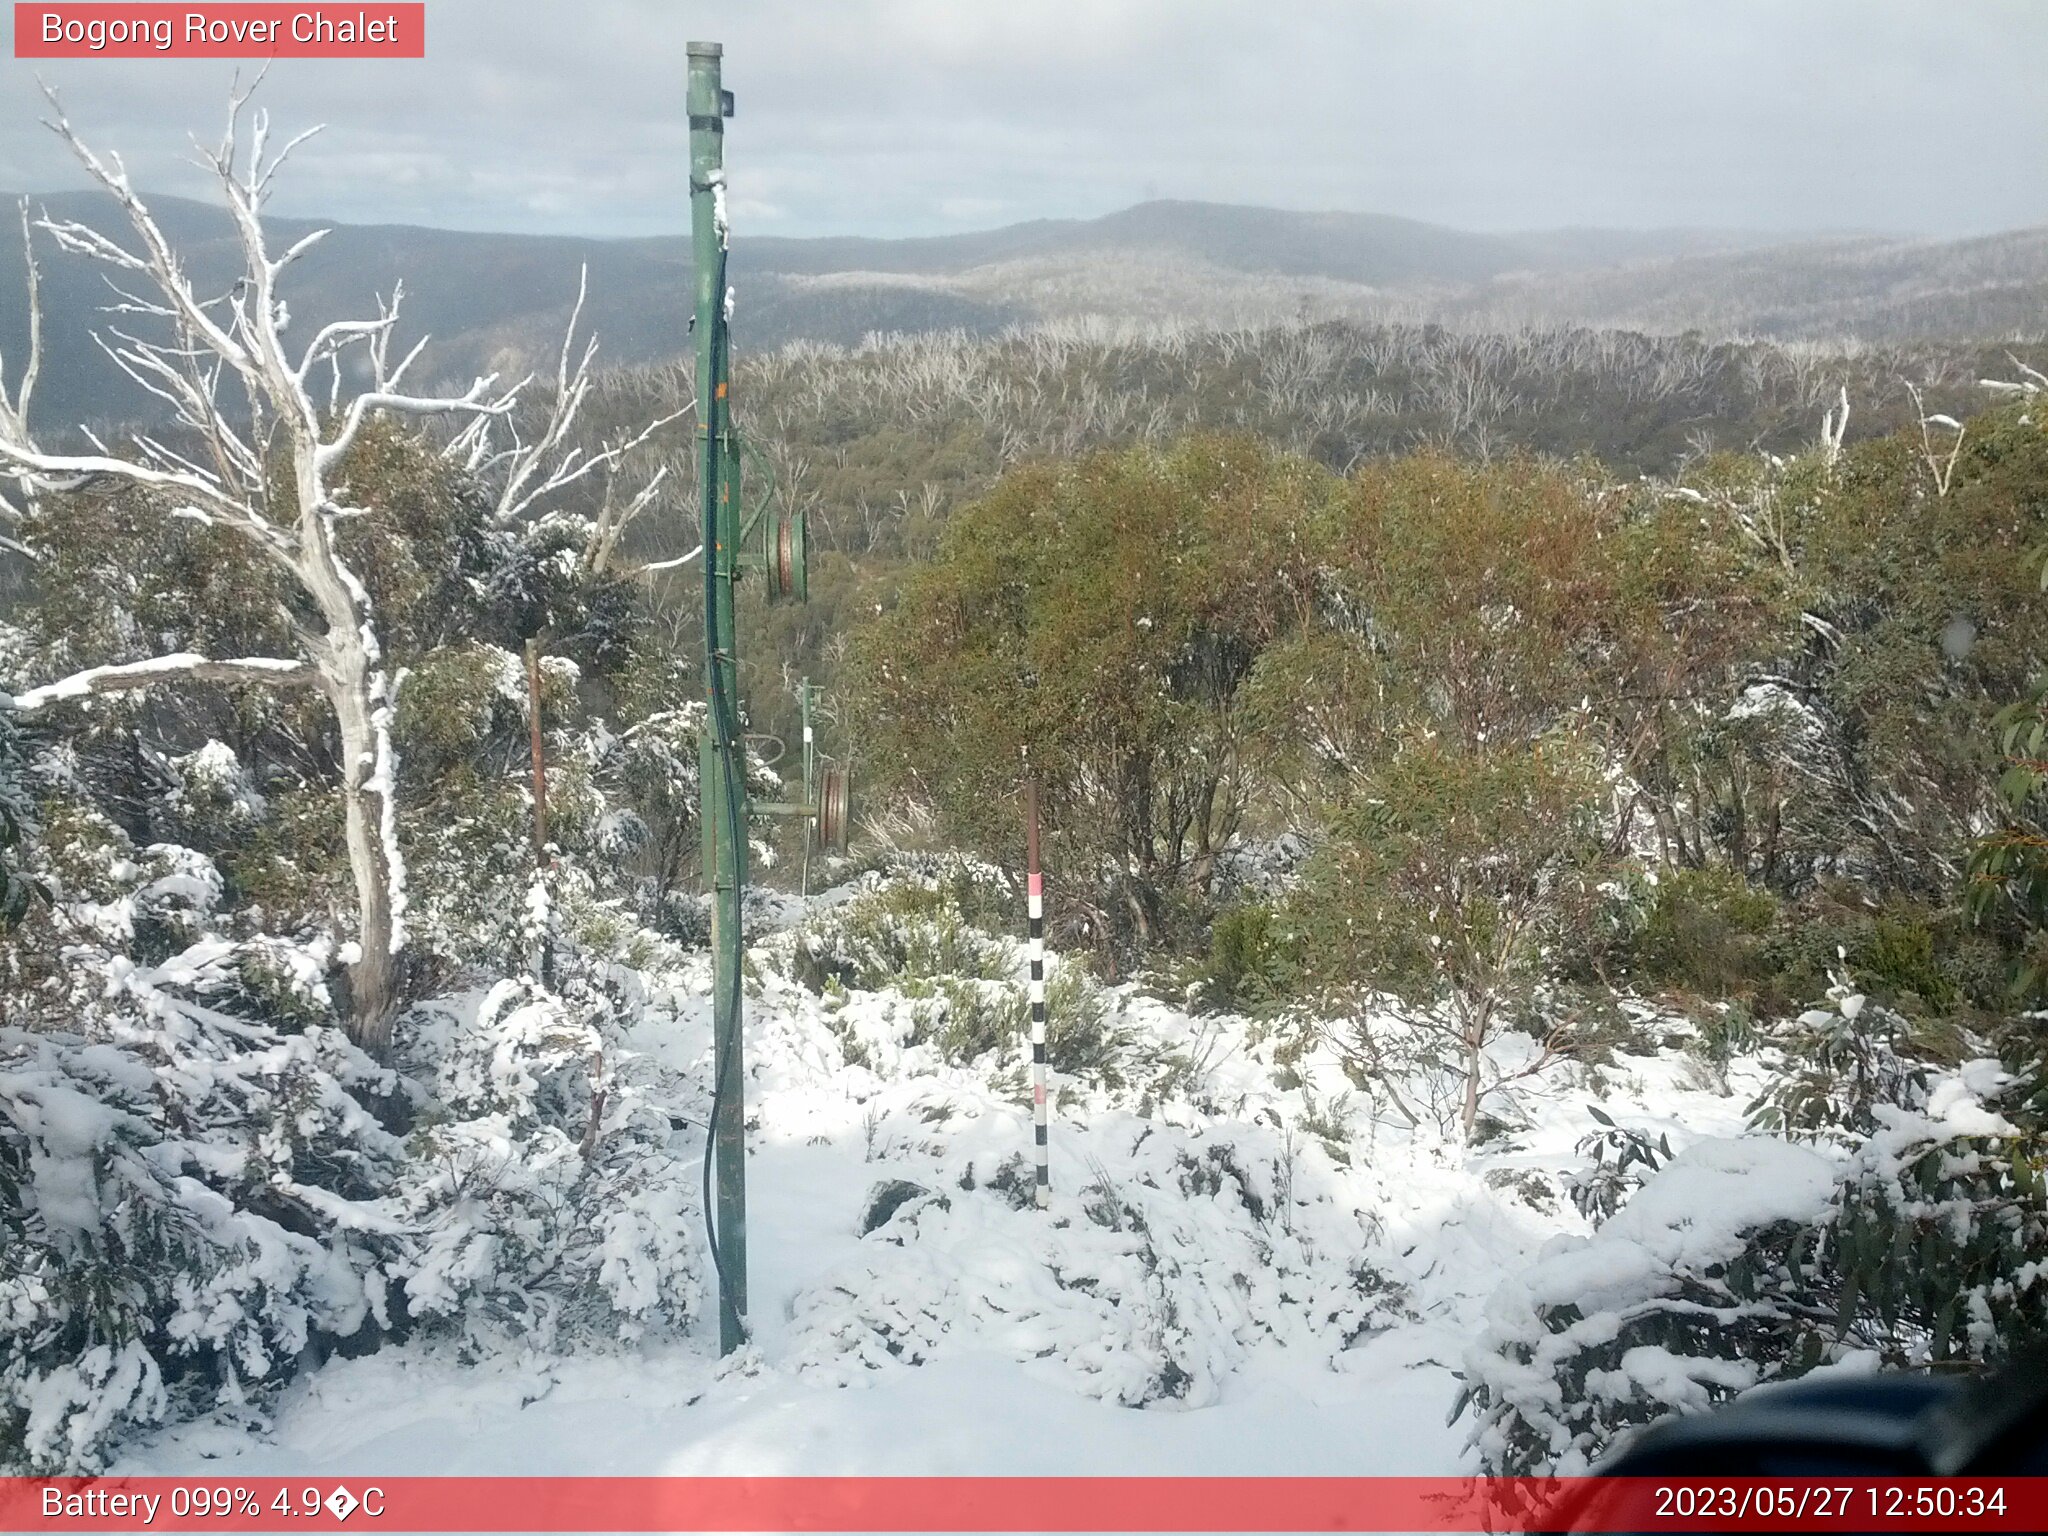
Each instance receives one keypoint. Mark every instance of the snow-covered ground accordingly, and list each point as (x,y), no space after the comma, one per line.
(1244,1269)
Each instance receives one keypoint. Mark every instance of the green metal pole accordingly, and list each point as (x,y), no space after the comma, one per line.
(721,781)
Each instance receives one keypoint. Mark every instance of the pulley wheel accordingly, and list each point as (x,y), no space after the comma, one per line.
(788,560)
(833,793)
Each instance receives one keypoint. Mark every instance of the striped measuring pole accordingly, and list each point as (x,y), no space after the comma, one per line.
(1035,908)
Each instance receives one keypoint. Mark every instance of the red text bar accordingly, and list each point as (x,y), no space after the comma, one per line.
(578,1504)
(317,31)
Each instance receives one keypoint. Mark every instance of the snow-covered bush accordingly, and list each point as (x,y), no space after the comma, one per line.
(203,1184)
(146,1265)
(908,929)
(544,1198)
(919,934)
(188,1198)
(1173,1267)
(1657,1312)
(1748,1260)
(1935,1248)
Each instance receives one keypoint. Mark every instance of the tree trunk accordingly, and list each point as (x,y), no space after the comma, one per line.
(350,663)
(1475,1044)
(356,691)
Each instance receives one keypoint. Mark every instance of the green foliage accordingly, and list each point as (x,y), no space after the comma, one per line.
(1615,1153)
(1082,1037)
(18,825)
(1922,623)
(1841,1064)
(1451,872)
(899,933)
(2009,866)
(1704,932)
(1899,962)
(966,1019)
(1253,962)
(1932,1253)
(1102,615)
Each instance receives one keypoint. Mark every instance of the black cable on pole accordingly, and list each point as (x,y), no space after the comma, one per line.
(722,1075)
(721,707)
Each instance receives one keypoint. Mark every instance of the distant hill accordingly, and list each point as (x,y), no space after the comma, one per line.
(497,302)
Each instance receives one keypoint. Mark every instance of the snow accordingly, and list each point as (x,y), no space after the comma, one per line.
(1701,1204)
(716,182)
(1245,1269)
(79,684)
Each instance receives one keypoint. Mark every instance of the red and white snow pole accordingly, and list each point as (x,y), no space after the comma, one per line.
(1035,907)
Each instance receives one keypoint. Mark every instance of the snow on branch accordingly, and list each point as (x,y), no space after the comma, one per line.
(478,400)
(270,671)
(1941,466)
(653,566)
(219,462)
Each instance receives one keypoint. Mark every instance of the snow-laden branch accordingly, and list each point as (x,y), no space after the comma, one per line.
(158,262)
(69,471)
(271,672)
(478,400)
(533,472)
(1942,467)
(653,566)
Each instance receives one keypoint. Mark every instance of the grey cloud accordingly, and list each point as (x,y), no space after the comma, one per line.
(912,116)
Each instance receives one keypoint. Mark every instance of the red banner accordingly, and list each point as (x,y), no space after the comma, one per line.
(1021,1504)
(317,31)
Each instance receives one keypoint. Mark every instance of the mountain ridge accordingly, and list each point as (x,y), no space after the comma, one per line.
(498,302)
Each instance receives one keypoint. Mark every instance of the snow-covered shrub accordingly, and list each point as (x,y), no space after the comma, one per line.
(1750,1260)
(1658,1312)
(965,1017)
(920,937)
(1936,1246)
(188,1199)
(214,798)
(1168,1271)
(203,1184)
(145,1265)
(1083,1039)
(905,930)
(540,1186)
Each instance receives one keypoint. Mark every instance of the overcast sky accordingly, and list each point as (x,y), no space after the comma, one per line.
(894,117)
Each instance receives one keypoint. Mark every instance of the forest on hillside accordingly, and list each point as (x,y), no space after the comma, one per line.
(1468,720)
(879,445)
